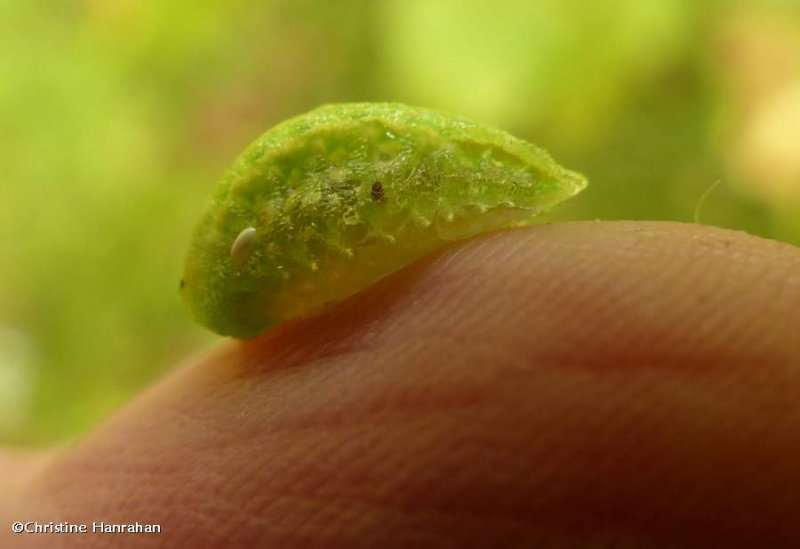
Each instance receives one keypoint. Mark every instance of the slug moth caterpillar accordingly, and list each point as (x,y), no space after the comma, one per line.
(327,203)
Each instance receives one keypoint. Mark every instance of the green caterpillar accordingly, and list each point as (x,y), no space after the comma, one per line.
(325,204)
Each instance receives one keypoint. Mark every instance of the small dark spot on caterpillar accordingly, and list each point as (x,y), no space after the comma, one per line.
(183,283)
(377,191)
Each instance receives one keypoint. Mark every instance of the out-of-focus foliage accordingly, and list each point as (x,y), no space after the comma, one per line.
(116,117)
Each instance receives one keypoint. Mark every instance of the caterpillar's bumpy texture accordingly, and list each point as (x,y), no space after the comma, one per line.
(325,204)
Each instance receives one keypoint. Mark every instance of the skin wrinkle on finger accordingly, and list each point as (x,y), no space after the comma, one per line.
(381,460)
(788,288)
(713,311)
(246,438)
(324,407)
(618,302)
(455,279)
(358,375)
(554,288)
(574,435)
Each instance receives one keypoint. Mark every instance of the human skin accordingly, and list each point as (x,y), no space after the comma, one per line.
(587,385)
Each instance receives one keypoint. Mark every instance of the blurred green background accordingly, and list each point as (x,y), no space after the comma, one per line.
(117,117)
